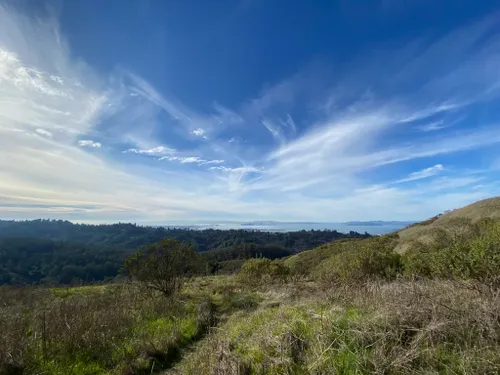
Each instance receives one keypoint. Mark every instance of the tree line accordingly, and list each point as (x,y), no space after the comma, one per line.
(60,252)
(132,236)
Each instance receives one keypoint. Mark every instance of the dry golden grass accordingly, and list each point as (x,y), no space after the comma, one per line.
(487,208)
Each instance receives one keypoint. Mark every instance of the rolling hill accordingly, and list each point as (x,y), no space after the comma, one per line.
(425,232)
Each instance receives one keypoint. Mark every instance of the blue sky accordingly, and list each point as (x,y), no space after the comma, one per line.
(172,111)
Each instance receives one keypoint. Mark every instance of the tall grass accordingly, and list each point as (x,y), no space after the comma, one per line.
(115,330)
(355,307)
(401,327)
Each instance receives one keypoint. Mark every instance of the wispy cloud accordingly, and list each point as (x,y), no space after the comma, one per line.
(89,143)
(424,173)
(155,151)
(43,91)
(310,147)
(433,126)
(274,129)
(191,159)
(44,132)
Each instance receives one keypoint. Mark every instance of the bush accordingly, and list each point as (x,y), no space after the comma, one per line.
(263,270)
(361,261)
(475,257)
(164,266)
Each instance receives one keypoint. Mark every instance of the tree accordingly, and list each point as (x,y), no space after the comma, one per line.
(163,266)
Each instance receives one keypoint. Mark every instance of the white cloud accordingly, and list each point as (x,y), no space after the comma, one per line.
(320,175)
(191,159)
(236,169)
(433,126)
(42,88)
(44,132)
(441,124)
(198,132)
(89,143)
(355,135)
(154,151)
(36,90)
(424,173)
(274,129)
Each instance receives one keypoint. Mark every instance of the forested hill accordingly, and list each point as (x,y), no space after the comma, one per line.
(131,236)
(60,252)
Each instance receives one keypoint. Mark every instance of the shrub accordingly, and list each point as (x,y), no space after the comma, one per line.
(458,256)
(262,270)
(418,260)
(361,261)
(163,266)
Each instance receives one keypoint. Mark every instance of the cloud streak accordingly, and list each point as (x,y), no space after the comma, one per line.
(424,173)
(77,144)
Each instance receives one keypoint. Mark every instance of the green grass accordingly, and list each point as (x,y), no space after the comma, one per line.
(81,290)
(350,307)
(377,328)
(305,263)
(99,330)
(399,327)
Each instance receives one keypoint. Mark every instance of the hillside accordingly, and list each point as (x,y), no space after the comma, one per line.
(487,208)
(353,306)
(425,232)
(460,225)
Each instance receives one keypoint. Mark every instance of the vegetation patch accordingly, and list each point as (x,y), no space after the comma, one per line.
(350,307)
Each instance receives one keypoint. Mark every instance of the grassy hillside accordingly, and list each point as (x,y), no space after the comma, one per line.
(355,306)
(427,232)
(487,208)
(220,326)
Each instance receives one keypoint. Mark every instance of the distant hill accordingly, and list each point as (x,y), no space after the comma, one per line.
(56,251)
(131,236)
(373,223)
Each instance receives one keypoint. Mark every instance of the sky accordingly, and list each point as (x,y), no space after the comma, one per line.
(159,111)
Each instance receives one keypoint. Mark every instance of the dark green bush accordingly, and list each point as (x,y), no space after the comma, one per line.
(164,266)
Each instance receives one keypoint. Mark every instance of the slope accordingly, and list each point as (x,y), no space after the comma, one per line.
(424,231)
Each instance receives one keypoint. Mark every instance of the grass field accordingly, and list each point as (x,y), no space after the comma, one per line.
(219,326)
(349,307)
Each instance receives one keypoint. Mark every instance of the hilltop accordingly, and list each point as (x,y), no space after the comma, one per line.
(486,208)
(427,230)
